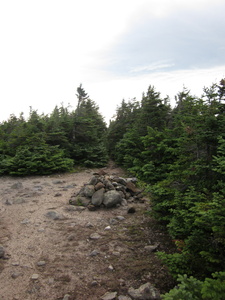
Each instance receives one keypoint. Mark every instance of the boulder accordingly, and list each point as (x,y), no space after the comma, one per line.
(112,198)
(88,190)
(145,292)
(97,197)
(93,180)
(131,187)
(109,185)
(99,186)
(120,180)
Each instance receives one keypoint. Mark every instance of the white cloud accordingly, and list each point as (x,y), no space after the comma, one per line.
(153,67)
(49,47)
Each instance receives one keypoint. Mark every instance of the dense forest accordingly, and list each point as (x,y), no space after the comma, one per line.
(177,152)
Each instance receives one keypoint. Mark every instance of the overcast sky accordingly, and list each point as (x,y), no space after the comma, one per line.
(115,48)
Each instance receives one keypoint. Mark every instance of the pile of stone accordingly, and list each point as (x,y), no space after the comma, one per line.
(107,191)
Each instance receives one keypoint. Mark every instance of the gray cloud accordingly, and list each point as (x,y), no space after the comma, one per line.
(182,40)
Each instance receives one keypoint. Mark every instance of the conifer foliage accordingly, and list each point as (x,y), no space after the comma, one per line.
(45,144)
(180,154)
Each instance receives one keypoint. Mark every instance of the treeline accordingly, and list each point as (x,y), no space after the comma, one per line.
(45,144)
(180,154)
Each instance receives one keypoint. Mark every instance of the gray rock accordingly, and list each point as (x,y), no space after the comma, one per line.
(25,221)
(95,236)
(133,180)
(35,277)
(97,197)
(107,228)
(41,230)
(2,251)
(54,215)
(94,253)
(131,188)
(99,186)
(109,296)
(124,298)
(17,185)
(112,198)
(70,186)
(145,292)
(122,181)
(124,202)
(67,297)
(121,189)
(109,185)
(70,207)
(58,181)
(8,202)
(58,195)
(15,275)
(41,263)
(80,201)
(151,248)
(120,218)
(92,207)
(116,253)
(89,225)
(38,188)
(93,180)
(94,283)
(19,201)
(88,190)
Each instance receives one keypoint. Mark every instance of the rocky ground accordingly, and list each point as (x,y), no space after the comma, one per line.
(53,250)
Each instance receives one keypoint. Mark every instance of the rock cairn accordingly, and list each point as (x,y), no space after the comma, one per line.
(107,191)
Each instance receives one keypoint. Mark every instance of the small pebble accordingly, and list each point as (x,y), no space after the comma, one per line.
(58,195)
(34,276)
(120,218)
(94,283)
(15,275)
(95,236)
(109,296)
(94,253)
(110,268)
(107,228)
(25,221)
(2,251)
(41,263)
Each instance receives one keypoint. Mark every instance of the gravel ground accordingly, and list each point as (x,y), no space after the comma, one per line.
(57,251)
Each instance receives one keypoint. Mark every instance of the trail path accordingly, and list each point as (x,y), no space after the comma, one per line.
(57,251)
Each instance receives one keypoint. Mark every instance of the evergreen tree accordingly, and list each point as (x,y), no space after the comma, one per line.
(89,134)
(81,96)
(126,116)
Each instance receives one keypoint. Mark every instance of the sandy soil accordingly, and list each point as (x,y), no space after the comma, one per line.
(49,256)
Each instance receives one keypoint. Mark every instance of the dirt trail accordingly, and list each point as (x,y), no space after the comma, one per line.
(50,249)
